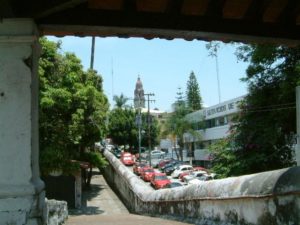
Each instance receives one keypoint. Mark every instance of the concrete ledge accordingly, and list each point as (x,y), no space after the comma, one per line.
(56,212)
(265,198)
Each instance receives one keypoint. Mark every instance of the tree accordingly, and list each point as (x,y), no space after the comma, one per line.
(122,126)
(193,93)
(262,138)
(177,124)
(121,101)
(73,109)
(124,131)
(154,131)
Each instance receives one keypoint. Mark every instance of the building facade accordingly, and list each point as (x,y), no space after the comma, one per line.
(213,124)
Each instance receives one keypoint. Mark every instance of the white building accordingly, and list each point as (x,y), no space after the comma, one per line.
(212,123)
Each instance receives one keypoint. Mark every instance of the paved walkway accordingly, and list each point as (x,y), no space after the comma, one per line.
(101,206)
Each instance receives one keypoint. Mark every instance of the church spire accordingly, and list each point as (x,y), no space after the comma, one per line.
(139,98)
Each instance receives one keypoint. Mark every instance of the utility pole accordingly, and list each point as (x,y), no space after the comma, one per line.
(139,122)
(92,53)
(149,124)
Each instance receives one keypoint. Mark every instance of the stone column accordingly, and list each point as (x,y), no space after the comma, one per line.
(21,190)
(297,150)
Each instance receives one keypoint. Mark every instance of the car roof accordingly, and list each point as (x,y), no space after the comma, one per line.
(159,174)
(183,166)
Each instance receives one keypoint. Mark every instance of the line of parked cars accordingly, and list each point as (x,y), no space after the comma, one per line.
(157,179)
(148,174)
(185,172)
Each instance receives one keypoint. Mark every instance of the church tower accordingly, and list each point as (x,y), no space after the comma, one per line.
(139,98)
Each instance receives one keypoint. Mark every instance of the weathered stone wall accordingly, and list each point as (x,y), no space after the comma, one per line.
(56,212)
(264,198)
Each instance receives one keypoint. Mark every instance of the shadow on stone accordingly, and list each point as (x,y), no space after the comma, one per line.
(89,193)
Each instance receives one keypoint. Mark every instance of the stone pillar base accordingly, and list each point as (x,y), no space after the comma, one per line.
(21,190)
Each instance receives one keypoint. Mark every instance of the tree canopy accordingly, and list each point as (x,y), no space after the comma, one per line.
(193,96)
(121,101)
(73,108)
(123,127)
(177,124)
(264,133)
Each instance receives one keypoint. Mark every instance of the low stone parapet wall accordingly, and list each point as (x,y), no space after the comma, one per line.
(267,198)
(56,212)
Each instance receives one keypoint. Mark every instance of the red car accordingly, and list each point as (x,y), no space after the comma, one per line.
(159,180)
(163,162)
(147,173)
(137,167)
(198,168)
(182,175)
(127,159)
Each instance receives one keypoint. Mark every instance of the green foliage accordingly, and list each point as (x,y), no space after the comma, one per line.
(224,161)
(95,158)
(154,130)
(124,131)
(177,124)
(262,138)
(193,93)
(121,101)
(73,107)
(122,128)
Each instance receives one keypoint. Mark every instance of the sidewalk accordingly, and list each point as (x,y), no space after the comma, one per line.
(101,206)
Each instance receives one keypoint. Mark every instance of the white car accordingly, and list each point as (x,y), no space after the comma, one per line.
(181,169)
(199,180)
(194,175)
(157,154)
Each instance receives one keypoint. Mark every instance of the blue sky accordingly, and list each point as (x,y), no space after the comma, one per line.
(162,65)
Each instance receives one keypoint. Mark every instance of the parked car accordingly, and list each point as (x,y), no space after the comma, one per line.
(117,152)
(157,154)
(173,185)
(182,175)
(147,173)
(173,162)
(180,169)
(198,168)
(137,167)
(201,179)
(171,167)
(163,162)
(127,158)
(194,175)
(159,180)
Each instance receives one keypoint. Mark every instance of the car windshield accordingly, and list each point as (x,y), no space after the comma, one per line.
(161,177)
(149,170)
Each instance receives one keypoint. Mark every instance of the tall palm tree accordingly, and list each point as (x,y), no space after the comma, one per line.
(121,101)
